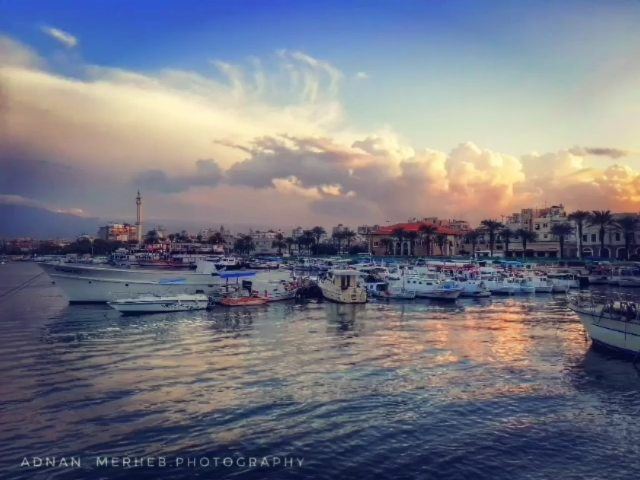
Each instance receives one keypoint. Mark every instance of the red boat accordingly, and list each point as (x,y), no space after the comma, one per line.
(243,301)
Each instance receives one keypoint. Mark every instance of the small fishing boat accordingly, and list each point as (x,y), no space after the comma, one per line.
(612,324)
(525,286)
(343,286)
(159,304)
(243,301)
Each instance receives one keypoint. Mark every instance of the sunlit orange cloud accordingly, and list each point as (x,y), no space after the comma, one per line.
(191,141)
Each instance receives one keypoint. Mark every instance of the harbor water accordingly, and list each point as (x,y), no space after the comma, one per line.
(499,388)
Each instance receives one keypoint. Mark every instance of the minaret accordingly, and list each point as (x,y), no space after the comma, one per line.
(139,217)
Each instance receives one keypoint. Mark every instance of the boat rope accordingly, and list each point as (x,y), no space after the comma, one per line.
(20,287)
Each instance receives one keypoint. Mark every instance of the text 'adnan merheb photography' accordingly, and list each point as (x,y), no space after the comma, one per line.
(331,240)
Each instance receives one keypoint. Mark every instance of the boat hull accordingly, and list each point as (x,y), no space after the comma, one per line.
(611,333)
(352,295)
(99,290)
(166,305)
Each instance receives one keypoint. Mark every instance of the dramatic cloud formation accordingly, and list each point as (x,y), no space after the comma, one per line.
(61,36)
(283,149)
(207,174)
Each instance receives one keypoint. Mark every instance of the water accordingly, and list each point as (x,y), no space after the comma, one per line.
(501,389)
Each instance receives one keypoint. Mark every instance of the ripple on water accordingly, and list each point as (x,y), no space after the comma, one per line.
(500,388)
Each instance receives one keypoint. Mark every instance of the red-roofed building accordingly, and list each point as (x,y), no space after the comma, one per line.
(419,238)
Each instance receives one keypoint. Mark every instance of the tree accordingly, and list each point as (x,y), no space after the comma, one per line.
(308,239)
(561,230)
(279,243)
(526,236)
(289,241)
(398,234)
(472,237)
(349,235)
(602,219)
(628,226)
(441,241)
(318,232)
(427,233)
(579,217)
(386,242)
(411,236)
(244,245)
(151,237)
(506,236)
(492,227)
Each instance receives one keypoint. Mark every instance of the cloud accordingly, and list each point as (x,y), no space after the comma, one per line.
(30,202)
(600,151)
(283,149)
(60,36)
(207,174)
(362,76)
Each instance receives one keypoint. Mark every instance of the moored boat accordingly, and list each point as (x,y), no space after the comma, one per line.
(158,304)
(612,324)
(243,301)
(343,286)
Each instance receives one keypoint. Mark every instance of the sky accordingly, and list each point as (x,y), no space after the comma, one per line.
(289,113)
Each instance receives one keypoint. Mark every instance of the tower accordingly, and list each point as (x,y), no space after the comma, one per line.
(139,217)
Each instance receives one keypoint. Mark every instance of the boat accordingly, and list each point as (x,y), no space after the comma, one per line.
(628,277)
(541,283)
(525,286)
(612,324)
(158,304)
(428,287)
(473,288)
(84,283)
(343,286)
(564,278)
(500,286)
(396,289)
(243,301)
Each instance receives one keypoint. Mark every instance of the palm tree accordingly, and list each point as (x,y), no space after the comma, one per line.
(441,241)
(152,237)
(472,237)
(349,235)
(561,230)
(337,238)
(386,242)
(579,217)
(309,239)
(492,227)
(398,234)
(526,236)
(289,241)
(279,242)
(318,232)
(244,244)
(427,232)
(601,219)
(506,236)
(628,225)
(411,236)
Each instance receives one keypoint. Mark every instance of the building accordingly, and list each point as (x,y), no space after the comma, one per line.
(119,232)
(263,242)
(409,239)
(614,241)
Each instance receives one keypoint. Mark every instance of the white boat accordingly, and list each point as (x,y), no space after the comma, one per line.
(525,286)
(343,286)
(613,324)
(473,288)
(500,286)
(560,278)
(541,283)
(157,304)
(97,283)
(628,277)
(426,286)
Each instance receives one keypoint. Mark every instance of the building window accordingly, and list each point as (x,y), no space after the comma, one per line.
(617,236)
(594,237)
(585,237)
(545,225)
(545,236)
(376,243)
(537,226)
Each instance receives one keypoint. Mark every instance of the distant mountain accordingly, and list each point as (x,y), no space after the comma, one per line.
(26,221)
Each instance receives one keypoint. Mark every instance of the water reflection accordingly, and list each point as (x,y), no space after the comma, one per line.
(481,388)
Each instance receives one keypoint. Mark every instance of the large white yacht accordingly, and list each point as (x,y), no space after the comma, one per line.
(99,283)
